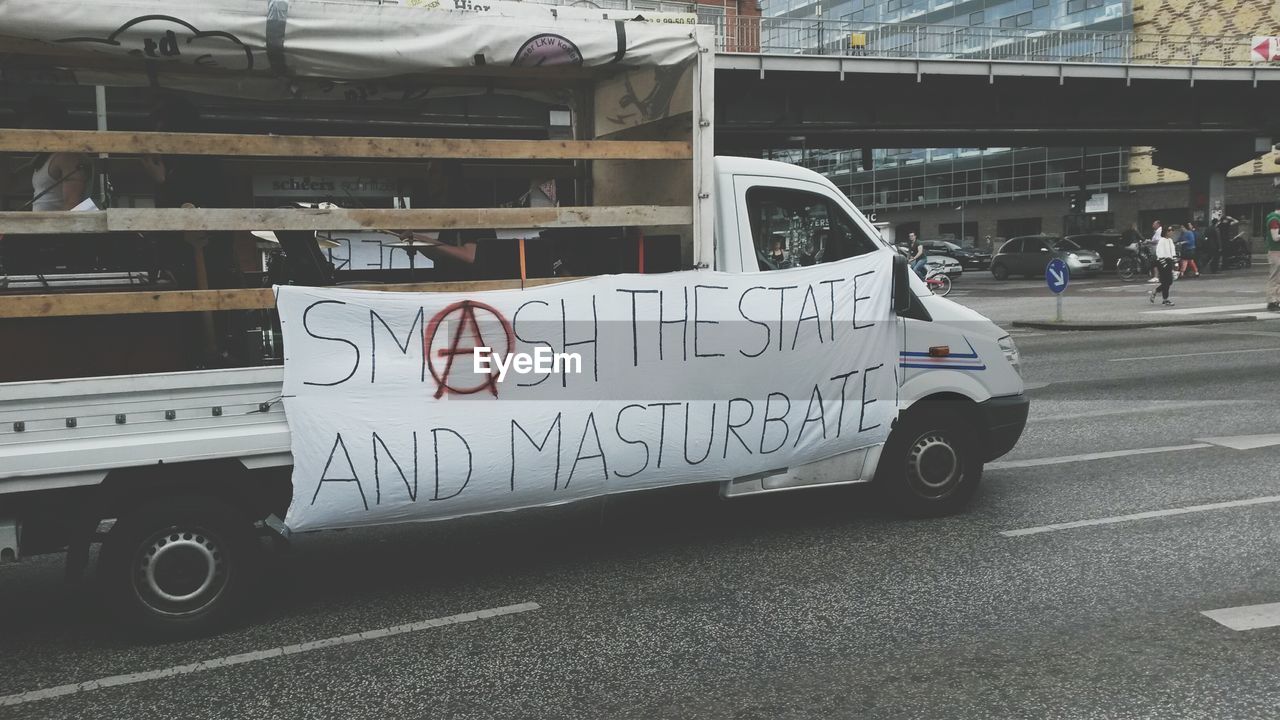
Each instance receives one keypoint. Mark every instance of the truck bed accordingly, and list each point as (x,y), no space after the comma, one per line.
(66,433)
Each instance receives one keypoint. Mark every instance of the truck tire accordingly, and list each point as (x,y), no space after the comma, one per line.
(179,567)
(930,466)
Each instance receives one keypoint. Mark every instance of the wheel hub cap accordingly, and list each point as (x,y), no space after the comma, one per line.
(180,571)
(933,464)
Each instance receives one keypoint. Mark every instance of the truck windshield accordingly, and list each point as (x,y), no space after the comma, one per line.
(794,228)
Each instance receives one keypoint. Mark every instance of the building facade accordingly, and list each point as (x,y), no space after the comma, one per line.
(985,195)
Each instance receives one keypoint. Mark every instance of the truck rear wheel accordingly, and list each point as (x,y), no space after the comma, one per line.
(179,567)
(930,465)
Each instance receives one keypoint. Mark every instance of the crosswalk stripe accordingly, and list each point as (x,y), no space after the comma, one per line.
(1260,307)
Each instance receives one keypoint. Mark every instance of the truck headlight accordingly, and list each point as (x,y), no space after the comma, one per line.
(1011,354)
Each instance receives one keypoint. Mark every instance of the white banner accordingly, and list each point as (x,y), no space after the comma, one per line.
(604,385)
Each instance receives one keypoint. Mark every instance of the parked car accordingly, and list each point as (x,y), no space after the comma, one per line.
(1107,244)
(948,265)
(968,257)
(1029,255)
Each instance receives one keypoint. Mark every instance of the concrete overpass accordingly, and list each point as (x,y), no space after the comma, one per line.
(1201,102)
(767,100)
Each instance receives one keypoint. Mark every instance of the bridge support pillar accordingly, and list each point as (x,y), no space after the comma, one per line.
(1207,165)
(1208,193)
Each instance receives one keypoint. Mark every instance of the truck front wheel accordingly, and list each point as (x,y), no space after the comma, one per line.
(178,567)
(930,465)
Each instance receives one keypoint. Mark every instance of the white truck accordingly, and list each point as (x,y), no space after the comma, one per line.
(192,467)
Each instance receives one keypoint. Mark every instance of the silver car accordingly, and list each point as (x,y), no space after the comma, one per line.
(950,266)
(1030,255)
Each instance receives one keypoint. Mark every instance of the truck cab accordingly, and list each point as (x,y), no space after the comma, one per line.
(961,401)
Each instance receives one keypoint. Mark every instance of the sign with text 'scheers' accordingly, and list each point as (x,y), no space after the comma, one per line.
(609,384)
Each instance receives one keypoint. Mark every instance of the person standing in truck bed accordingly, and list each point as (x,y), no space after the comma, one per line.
(197,180)
(59,181)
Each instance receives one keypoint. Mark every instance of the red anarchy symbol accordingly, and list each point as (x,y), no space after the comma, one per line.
(466,323)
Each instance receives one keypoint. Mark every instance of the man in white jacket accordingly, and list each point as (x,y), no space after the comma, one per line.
(1166,259)
(1157,233)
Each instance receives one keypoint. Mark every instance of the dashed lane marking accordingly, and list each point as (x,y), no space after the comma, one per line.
(1141,516)
(1244,442)
(1037,462)
(230,660)
(1196,354)
(1246,617)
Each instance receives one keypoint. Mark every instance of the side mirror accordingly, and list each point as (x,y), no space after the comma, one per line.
(901,284)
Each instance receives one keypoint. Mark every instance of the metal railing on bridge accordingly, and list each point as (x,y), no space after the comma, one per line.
(792,36)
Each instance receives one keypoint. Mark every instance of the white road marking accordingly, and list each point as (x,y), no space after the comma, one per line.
(1258,306)
(1037,462)
(1164,406)
(1141,516)
(230,660)
(1195,354)
(1244,442)
(1246,617)
(1234,329)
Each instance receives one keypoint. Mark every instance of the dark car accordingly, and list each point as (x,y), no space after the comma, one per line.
(968,257)
(1109,245)
(1029,255)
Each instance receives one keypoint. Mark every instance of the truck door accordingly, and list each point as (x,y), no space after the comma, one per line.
(786,223)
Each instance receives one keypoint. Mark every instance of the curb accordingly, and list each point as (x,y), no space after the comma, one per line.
(1126,324)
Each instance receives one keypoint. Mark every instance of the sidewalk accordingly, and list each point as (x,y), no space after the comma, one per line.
(1108,303)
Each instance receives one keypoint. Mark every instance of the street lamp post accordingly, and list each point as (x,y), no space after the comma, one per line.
(960,207)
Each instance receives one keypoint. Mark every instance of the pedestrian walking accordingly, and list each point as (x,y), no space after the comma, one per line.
(1166,260)
(1272,240)
(1190,245)
(1157,232)
(1213,247)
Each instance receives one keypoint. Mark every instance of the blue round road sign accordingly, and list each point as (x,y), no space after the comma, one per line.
(1056,275)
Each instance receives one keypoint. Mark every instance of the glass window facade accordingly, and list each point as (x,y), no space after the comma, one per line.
(1102,15)
(921,177)
(925,177)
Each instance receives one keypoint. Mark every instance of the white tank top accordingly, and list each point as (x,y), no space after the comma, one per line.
(41,182)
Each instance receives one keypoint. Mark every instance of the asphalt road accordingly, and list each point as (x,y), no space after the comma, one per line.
(801,605)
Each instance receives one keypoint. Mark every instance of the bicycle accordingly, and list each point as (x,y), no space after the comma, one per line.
(1134,265)
(938,282)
